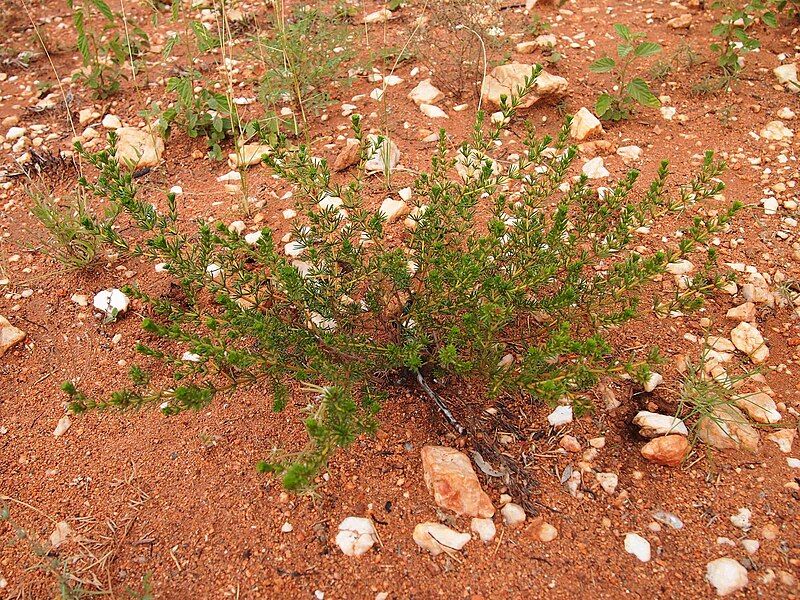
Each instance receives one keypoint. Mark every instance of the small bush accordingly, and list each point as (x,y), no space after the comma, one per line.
(508,276)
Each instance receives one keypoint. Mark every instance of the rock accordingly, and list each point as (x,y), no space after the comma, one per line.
(743,312)
(669,450)
(747,338)
(681,22)
(111,302)
(787,75)
(248,155)
(432,112)
(783,438)
(668,519)
(484,528)
(60,534)
(607,481)
(638,546)
(513,514)
(450,477)
(356,536)
(741,520)
(759,406)
(570,444)
(348,156)
(287,527)
(786,113)
(393,210)
(62,426)
(544,532)
(382,155)
(726,576)
(655,424)
(471,165)
(595,169)
(111,122)
(770,205)
(137,149)
(629,153)
(379,16)
(425,93)
(585,125)
(437,538)
(776,131)
(727,428)
(505,80)
(561,415)
(87,115)
(653,381)
(10,336)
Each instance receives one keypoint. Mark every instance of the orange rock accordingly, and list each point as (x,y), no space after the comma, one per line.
(450,476)
(669,450)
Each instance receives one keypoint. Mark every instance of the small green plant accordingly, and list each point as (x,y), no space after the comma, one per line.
(506,277)
(628,91)
(105,54)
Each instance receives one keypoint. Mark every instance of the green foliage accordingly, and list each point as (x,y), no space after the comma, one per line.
(519,262)
(105,53)
(633,48)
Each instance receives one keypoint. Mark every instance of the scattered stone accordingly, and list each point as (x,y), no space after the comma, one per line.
(111,122)
(776,131)
(348,156)
(10,336)
(138,149)
(585,125)
(629,153)
(759,406)
(505,80)
(544,532)
(437,538)
(248,155)
(484,528)
(513,514)
(638,546)
(751,546)
(561,415)
(432,112)
(747,338)
(607,481)
(393,210)
(680,267)
(727,428)
(287,527)
(681,22)
(743,312)
(62,426)
(668,519)
(356,536)
(570,444)
(787,76)
(382,155)
(595,168)
(425,93)
(60,534)
(653,381)
(669,450)
(379,16)
(111,302)
(783,438)
(655,424)
(726,576)
(741,519)
(450,477)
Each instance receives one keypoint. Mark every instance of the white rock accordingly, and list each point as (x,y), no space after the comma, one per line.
(425,93)
(432,112)
(253,238)
(786,113)
(287,527)
(356,536)
(607,481)
(393,80)
(787,75)
(595,168)
(237,227)
(15,133)
(668,112)
(653,381)
(111,302)
(585,125)
(61,533)
(770,205)
(484,528)
(393,210)
(751,546)
(138,149)
(561,415)
(437,538)
(776,131)
(214,270)
(653,425)
(638,546)
(680,267)
(513,514)
(62,426)
(748,339)
(176,189)
(726,576)
(382,156)
(741,519)
(629,153)
(111,122)
(379,16)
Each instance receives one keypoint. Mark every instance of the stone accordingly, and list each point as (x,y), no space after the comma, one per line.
(111,302)
(585,125)
(61,533)
(10,336)
(629,153)
(784,438)
(513,514)
(15,133)
(506,80)
(655,424)
(748,339)
(62,426)
(741,520)
(653,381)
(638,546)
(561,415)
(287,527)
(471,165)
(392,209)
(595,169)
(681,22)
(727,428)
(437,538)
(726,576)
(607,481)
(138,149)
(484,528)
(743,312)
(379,16)
(383,154)
(787,76)
(356,536)
(570,444)
(248,155)
(776,131)
(669,450)
(432,112)
(679,267)
(544,532)
(425,93)
(348,156)
(449,475)
(759,406)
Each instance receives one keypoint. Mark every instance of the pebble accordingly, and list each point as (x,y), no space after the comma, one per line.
(484,528)
(287,528)
(10,336)
(748,339)
(561,415)
(513,514)
(111,302)
(62,426)
(656,424)
(356,536)
(595,168)
(741,519)
(726,576)
(437,538)
(638,546)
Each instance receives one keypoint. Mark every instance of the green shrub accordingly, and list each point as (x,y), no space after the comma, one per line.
(510,277)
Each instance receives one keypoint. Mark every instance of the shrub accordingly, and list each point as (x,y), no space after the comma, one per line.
(509,276)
